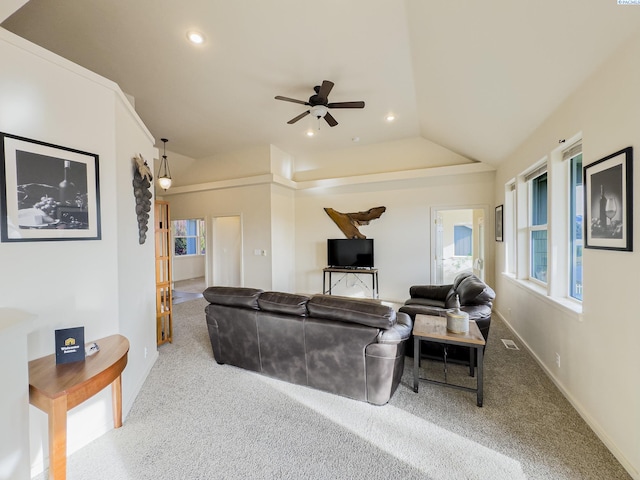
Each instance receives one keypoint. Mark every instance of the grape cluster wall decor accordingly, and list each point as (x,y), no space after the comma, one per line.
(142,179)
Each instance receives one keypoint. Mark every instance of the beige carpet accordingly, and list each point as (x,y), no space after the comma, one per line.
(192,285)
(195,419)
(185,290)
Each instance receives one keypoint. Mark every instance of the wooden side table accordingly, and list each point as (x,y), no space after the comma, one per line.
(56,389)
(434,329)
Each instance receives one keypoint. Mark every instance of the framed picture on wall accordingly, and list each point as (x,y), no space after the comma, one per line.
(608,200)
(499,223)
(47,192)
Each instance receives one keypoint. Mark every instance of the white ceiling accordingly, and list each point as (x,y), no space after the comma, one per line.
(475,77)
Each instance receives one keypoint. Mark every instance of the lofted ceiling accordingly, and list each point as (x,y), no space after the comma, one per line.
(475,77)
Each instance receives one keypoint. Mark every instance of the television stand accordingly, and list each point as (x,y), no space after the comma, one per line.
(351,271)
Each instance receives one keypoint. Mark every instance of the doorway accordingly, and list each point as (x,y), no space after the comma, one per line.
(224,265)
(458,243)
(188,259)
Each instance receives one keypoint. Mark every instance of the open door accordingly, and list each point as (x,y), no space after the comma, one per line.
(478,261)
(458,243)
(439,249)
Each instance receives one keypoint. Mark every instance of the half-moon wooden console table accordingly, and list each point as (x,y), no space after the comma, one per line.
(56,389)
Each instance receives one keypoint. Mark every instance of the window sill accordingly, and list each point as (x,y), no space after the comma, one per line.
(563,304)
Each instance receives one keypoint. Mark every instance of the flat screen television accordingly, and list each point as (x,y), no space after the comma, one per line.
(350,252)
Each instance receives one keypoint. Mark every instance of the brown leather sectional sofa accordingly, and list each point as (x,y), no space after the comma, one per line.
(354,348)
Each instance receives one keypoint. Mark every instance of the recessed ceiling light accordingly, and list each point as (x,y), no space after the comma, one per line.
(390,118)
(195,37)
(310,133)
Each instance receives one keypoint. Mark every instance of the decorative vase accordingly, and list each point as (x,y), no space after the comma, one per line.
(457,320)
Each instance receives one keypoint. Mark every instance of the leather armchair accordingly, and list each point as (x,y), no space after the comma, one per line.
(476,298)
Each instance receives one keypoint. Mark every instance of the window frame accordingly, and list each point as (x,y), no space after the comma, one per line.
(576,205)
(517,200)
(509,226)
(200,237)
(540,227)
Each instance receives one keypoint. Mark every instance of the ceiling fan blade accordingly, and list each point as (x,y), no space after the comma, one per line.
(302,115)
(325,88)
(330,120)
(346,105)
(287,99)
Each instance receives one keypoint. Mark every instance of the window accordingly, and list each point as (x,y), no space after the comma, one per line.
(462,236)
(543,225)
(538,228)
(575,226)
(509,223)
(189,237)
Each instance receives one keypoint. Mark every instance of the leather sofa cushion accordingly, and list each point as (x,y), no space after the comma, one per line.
(364,312)
(432,292)
(400,332)
(286,303)
(460,277)
(473,291)
(427,302)
(233,296)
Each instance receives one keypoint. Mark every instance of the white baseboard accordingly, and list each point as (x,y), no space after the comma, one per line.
(126,407)
(595,426)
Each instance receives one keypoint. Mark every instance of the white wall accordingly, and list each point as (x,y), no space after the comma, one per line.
(237,164)
(599,352)
(253,204)
(406,154)
(15,325)
(283,233)
(402,235)
(136,262)
(73,283)
(8,7)
(187,267)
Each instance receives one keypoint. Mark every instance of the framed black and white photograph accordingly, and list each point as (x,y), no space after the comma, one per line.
(608,198)
(47,192)
(499,223)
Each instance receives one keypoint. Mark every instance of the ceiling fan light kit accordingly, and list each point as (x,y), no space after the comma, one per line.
(319,111)
(320,105)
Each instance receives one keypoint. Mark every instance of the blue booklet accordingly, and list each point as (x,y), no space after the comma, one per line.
(70,345)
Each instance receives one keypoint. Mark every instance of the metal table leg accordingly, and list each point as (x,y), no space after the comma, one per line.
(416,363)
(472,361)
(480,374)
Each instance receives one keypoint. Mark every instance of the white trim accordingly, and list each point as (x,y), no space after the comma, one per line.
(565,305)
(270,178)
(401,175)
(535,173)
(590,421)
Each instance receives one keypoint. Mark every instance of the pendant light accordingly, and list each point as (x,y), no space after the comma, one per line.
(164,174)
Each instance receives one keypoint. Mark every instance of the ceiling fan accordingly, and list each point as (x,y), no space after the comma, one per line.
(320,105)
